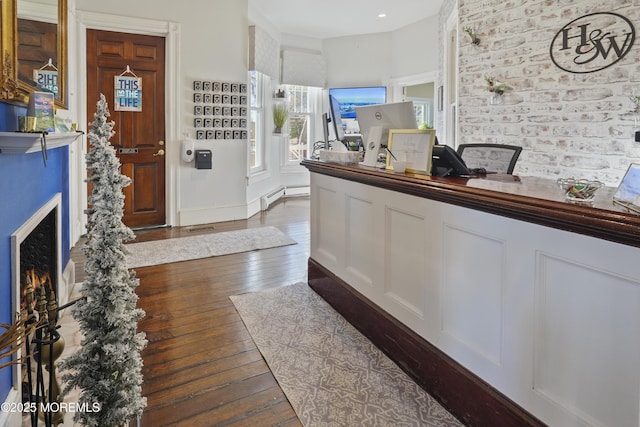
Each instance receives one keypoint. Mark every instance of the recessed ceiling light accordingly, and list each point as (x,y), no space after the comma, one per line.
(382,15)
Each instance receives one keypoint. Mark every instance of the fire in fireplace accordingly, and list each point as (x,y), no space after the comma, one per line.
(36,271)
(38,256)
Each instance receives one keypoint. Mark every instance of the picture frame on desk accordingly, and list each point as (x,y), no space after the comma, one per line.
(415,146)
(628,192)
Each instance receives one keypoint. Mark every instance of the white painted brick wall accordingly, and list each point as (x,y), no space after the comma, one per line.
(569,124)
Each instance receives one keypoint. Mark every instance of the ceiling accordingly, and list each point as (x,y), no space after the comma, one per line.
(324,19)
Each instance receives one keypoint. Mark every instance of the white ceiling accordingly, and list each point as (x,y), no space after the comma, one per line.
(324,19)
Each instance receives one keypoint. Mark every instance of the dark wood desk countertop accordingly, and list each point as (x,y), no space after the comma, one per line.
(530,199)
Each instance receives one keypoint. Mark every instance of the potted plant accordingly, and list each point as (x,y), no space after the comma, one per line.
(280,115)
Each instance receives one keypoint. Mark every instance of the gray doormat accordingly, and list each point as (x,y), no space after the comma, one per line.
(156,252)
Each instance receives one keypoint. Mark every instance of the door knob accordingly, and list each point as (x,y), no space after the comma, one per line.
(159,153)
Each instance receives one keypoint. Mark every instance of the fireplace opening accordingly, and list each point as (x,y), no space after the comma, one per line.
(36,260)
(39,257)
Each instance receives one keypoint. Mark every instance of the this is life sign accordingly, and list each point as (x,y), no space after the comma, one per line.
(128,93)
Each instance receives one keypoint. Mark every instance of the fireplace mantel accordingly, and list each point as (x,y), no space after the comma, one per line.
(23,142)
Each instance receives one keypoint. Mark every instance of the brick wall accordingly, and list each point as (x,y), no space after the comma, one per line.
(569,124)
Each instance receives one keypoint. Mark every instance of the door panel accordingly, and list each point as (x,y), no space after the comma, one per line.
(139,136)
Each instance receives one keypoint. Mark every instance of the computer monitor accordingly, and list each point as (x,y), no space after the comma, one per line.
(352,97)
(336,118)
(445,161)
(376,120)
(325,130)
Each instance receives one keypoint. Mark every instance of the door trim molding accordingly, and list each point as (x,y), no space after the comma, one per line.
(171,31)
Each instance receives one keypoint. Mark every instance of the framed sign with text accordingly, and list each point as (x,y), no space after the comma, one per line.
(128,93)
(413,145)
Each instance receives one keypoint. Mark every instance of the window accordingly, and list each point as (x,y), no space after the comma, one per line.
(301,101)
(424,112)
(256,121)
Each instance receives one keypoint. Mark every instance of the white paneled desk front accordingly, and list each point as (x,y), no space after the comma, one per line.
(535,296)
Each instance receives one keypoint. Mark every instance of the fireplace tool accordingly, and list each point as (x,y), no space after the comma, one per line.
(42,393)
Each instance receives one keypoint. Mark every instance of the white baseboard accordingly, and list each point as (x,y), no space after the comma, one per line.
(209,215)
(304,190)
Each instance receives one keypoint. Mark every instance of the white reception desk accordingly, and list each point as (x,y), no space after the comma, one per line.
(510,305)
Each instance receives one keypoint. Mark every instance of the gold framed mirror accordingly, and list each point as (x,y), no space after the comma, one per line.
(8,64)
(34,46)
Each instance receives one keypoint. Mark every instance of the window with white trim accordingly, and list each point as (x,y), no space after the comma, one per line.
(256,121)
(302,102)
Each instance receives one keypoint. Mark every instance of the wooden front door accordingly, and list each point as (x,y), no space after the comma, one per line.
(139,136)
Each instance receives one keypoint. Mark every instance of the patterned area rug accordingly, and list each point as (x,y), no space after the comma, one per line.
(332,374)
(204,245)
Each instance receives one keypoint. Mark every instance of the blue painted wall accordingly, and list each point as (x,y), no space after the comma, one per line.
(25,185)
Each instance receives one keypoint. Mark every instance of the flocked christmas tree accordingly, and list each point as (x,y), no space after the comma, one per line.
(108,367)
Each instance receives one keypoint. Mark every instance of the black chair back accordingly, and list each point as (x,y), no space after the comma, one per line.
(499,158)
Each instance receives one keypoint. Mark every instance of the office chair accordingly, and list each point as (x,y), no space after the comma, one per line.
(499,158)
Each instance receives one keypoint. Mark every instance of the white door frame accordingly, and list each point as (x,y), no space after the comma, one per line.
(450,79)
(398,84)
(171,32)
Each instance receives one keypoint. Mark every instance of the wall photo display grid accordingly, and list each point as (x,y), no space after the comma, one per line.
(220,110)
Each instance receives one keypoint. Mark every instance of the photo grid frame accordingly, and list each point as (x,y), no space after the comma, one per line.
(220,110)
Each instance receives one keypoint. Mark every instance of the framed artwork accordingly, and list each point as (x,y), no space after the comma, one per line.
(44,111)
(413,145)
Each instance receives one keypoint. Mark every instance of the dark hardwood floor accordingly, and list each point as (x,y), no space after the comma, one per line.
(201,367)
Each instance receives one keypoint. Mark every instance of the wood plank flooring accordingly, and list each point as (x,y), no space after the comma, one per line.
(201,367)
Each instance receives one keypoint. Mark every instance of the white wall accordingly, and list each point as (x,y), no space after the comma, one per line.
(414,48)
(213,46)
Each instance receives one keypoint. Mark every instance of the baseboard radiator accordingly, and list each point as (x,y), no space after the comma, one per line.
(269,199)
